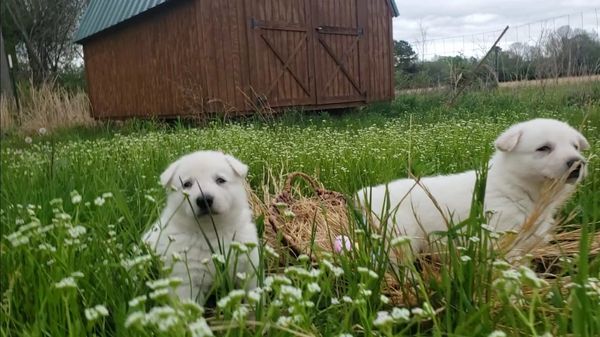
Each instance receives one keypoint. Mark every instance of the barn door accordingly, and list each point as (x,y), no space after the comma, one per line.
(340,50)
(280,51)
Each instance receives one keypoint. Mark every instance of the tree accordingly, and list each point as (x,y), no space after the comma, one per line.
(5,81)
(404,57)
(44,33)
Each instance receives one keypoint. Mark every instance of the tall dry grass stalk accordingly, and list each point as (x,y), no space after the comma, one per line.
(7,109)
(47,107)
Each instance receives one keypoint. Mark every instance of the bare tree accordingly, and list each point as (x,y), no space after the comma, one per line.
(45,29)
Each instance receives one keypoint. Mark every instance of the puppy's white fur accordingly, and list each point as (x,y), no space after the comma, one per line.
(189,227)
(519,172)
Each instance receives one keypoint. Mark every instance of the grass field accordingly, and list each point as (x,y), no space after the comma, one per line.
(75,202)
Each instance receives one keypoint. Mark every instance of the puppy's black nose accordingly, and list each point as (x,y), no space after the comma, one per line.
(574,167)
(204,202)
(572,162)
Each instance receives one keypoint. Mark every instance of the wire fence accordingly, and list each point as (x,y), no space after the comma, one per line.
(555,47)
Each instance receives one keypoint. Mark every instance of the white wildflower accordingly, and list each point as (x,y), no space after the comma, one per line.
(47,247)
(289,214)
(67,282)
(291,292)
(99,201)
(167,323)
(136,261)
(383,319)
(200,328)
(75,199)
(497,333)
(218,258)
(158,293)
(254,295)
(164,282)
(532,278)
(137,300)
(337,271)
(271,251)
(487,228)
(240,313)
(399,240)
(284,321)
(400,314)
(17,239)
(77,231)
(313,287)
(366,292)
(418,312)
(92,314)
(240,247)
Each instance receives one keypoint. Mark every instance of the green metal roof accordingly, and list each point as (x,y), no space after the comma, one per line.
(103,14)
(395,8)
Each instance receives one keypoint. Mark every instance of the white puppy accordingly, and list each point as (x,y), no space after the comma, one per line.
(530,157)
(207,209)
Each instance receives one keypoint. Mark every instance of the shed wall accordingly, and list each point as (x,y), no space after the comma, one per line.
(193,57)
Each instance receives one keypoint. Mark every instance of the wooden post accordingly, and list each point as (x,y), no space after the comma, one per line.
(463,85)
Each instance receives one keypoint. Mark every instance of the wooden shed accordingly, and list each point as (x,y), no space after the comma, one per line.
(170,58)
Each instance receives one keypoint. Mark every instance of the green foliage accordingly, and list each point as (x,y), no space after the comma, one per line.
(74,205)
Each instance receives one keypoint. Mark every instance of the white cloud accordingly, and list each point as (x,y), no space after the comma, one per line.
(479,18)
(474,25)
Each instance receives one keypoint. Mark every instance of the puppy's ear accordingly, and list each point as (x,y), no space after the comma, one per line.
(508,140)
(583,143)
(167,176)
(238,167)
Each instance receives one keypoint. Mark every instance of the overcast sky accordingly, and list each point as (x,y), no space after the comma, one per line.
(465,20)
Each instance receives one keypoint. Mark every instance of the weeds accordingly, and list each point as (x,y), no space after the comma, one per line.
(74,205)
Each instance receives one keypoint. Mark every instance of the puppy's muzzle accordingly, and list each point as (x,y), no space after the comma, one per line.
(574,167)
(204,203)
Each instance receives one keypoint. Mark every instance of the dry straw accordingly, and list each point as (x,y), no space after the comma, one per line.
(307,222)
(46,107)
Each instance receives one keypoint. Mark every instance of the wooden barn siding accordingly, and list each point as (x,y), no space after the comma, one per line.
(381,81)
(197,55)
(281,28)
(333,86)
(178,61)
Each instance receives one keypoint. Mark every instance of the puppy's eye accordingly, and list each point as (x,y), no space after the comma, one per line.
(576,147)
(544,148)
(187,184)
(220,181)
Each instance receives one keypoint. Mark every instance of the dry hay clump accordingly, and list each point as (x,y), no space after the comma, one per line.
(311,221)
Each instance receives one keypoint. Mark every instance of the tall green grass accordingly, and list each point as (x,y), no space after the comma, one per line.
(75,202)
